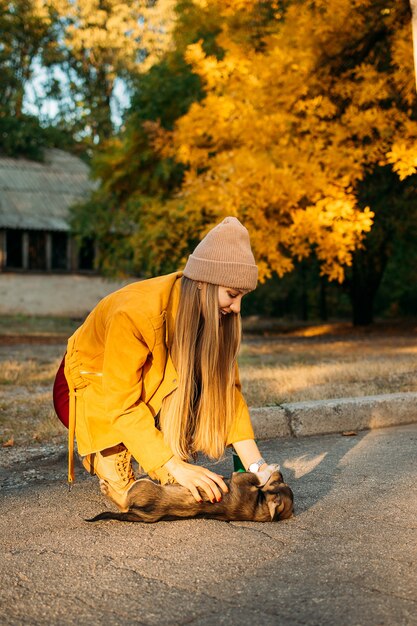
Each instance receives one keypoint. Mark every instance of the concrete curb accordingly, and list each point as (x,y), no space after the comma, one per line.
(299,419)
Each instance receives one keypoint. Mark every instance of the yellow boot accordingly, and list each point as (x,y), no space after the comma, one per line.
(114,469)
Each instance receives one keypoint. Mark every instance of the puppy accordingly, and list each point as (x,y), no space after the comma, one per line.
(261,497)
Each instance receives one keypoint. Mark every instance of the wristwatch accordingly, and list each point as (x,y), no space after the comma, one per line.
(254,467)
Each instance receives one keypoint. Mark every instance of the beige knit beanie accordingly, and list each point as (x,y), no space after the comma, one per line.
(224,257)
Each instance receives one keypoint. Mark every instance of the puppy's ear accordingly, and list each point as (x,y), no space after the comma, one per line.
(280,503)
(275,505)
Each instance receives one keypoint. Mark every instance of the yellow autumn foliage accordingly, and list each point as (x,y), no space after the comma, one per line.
(403,158)
(285,132)
(113,32)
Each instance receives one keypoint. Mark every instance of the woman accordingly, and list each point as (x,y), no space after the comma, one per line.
(152,373)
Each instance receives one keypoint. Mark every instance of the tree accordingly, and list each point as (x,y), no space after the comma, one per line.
(394,203)
(292,128)
(28,38)
(106,40)
(130,214)
(301,108)
(28,34)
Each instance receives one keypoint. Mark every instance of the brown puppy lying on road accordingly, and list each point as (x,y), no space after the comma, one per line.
(261,497)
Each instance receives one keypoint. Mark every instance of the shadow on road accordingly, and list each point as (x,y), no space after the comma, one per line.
(312,475)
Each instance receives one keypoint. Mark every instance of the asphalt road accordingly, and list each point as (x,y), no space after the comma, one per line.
(348,556)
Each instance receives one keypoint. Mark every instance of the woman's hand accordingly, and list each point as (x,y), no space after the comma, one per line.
(193,476)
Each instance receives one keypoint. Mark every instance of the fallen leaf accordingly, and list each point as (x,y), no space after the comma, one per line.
(9,443)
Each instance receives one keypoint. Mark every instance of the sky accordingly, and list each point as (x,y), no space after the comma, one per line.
(37,103)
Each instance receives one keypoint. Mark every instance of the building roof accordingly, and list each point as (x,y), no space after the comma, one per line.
(36,195)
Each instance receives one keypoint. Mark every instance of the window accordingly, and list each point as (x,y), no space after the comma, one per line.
(86,254)
(14,249)
(59,251)
(37,250)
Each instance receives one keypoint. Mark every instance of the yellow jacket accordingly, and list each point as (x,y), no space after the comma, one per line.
(119,369)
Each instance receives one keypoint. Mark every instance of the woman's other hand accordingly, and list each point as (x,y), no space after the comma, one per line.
(195,477)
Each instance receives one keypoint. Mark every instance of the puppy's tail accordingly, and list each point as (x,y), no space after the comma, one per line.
(122,517)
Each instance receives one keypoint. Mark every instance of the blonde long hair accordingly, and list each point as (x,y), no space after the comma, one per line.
(198,415)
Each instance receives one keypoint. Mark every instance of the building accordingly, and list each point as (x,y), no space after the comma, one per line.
(34,214)
(42,270)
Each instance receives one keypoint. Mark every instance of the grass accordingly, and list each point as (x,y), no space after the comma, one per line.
(292,364)
(26,378)
(275,370)
(37,326)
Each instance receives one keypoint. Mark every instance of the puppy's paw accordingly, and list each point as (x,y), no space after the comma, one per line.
(104,487)
(265,475)
(274,467)
(119,499)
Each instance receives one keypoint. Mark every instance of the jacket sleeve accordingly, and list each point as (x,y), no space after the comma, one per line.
(126,353)
(242,428)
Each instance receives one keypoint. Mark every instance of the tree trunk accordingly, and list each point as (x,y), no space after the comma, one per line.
(100,119)
(323,299)
(304,293)
(18,107)
(413,5)
(362,305)
(368,268)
